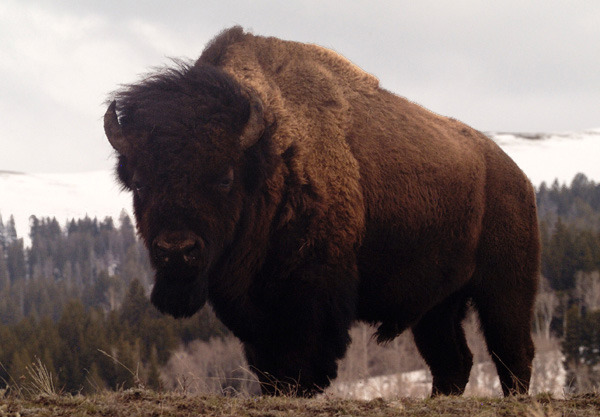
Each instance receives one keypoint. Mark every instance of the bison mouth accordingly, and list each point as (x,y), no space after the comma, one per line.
(180,288)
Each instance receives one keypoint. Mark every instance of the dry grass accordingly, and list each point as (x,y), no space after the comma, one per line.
(40,381)
(140,402)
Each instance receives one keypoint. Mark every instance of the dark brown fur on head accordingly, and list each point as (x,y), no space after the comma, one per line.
(191,99)
(185,168)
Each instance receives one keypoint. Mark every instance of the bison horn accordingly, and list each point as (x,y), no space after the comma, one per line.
(114,131)
(255,125)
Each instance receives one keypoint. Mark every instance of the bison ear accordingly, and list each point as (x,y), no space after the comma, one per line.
(255,126)
(114,131)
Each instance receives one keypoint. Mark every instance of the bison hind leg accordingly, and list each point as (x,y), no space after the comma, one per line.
(508,337)
(440,338)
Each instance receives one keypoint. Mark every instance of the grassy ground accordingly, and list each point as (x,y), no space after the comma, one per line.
(148,403)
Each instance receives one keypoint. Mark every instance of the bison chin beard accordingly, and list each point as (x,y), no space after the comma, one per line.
(178,297)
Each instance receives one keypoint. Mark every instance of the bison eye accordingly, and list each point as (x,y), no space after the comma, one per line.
(138,186)
(226,181)
(139,189)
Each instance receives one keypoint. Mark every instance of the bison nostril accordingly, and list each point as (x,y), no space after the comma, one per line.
(191,253)
(162,251)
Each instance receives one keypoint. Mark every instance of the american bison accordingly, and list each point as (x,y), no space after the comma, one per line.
(279,182)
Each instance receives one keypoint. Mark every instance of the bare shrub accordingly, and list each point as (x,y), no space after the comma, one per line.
(370,370)
(365,358)
(545,306)
(396,369)
(582,378)
(587,289)
(214,367)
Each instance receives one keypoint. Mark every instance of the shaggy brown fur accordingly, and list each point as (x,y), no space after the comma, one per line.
(278,181)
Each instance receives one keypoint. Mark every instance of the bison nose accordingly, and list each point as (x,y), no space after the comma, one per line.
(177,249)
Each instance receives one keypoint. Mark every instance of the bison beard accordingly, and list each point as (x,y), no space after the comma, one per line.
(325,200)
(180,297)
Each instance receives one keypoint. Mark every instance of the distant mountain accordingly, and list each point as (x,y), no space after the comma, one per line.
(543,157)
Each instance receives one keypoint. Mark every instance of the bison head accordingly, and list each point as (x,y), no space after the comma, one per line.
(181,138)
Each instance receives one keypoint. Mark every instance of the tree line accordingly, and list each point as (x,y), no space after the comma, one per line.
(77,297)
(569,298)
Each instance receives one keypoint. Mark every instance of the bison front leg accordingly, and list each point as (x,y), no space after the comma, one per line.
(289,371)
(306,332)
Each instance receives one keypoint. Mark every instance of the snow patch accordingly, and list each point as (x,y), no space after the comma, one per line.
(549,376)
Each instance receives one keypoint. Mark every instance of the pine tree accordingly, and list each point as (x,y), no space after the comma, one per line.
(11,230)
(2,234)
(127,230)
(94,338)
(15,260)
(71,331)
(573,335)
(94,381)
(136,307)
(126,365)
(9,345)
(153,374)
(17,370)
(4,277)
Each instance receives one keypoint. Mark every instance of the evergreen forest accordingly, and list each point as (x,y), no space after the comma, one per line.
(76,297)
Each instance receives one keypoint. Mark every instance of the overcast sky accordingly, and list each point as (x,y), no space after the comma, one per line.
(515,65)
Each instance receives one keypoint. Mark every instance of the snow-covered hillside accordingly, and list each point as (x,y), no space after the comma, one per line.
(543,157)
(550,156)
(64,196)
